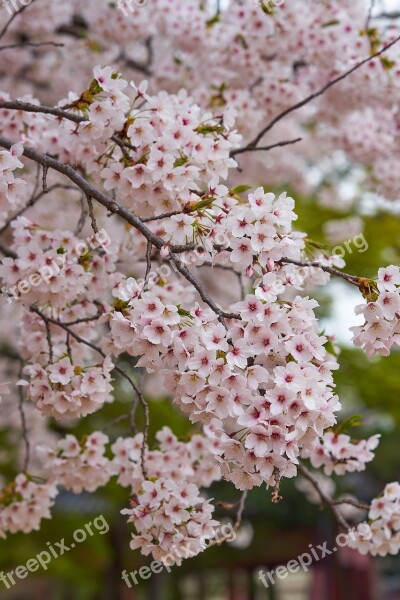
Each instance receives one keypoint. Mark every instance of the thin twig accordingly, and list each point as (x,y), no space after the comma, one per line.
(369,17)
(48,335)
(115,422)
(325,498)
(320,92)
(203,294)
(14,16)
(388,15)
(265,148)
(163,216)
(82,217)
(229,269)
(353,279)
(31,45)
(239,515)
(240,509)
(81,340)
(148,265)
(33,201)
(356,503)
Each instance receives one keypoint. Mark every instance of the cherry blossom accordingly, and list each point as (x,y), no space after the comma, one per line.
(139,178)
(23,505)
(77,466)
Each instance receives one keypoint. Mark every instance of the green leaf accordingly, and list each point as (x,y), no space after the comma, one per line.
(239,189)
(331,23)
(387,63)
(181,161)
(353,421)
(215,19)
(329,347)
(205,129)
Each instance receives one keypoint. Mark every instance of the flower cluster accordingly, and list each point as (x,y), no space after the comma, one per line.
(23,505)
(56,266)
(262,387)
(157,163)
(64,389)
(384,522)
(167,510)
(339,454)
(381,330)
(326,39)
(191,461)
(77,466)
(169,515)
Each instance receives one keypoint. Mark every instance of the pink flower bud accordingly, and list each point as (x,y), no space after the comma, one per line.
(270,265)
(249,271)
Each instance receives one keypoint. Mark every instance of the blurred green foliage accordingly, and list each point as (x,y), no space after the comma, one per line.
(91,571)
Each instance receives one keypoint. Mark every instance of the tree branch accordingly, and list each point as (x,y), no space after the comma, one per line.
(37,108)
(203,294)
(31,45)
(109,203)
(325,498)
(264,148)
(311,97)
(355,503)
(81,340)
(353,279)
(14,16)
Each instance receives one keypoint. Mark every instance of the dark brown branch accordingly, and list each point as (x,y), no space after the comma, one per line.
(163,216)
(369,17)
(388,15)
(60,113)
(238,521)
(109,203)
(46,110)
(91,215)
(203,294)
(148,265)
